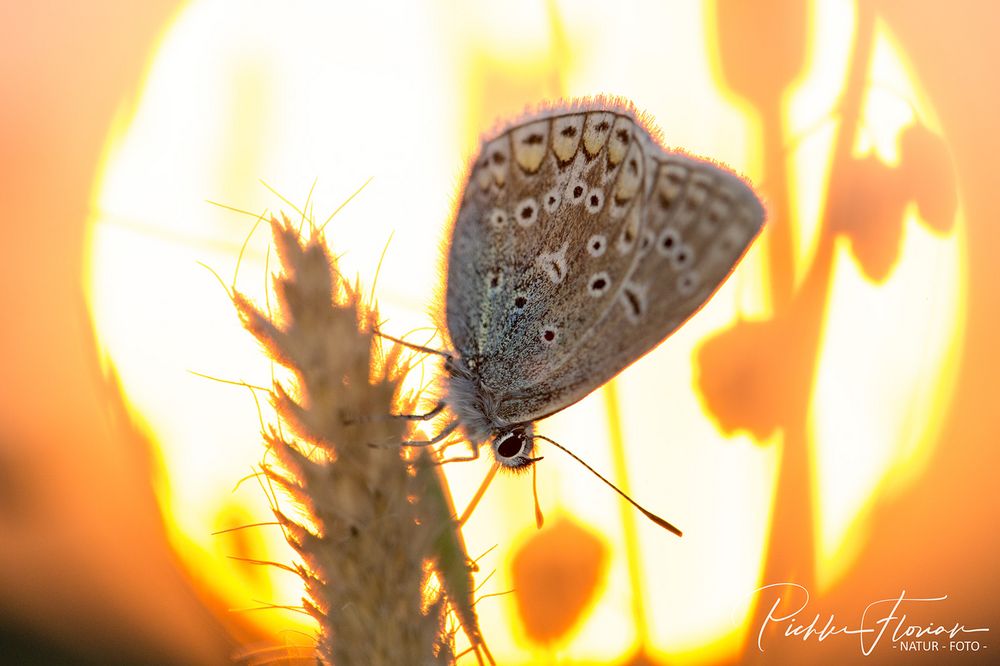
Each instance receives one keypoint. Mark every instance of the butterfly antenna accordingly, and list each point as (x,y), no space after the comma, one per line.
(649,514)
(539,518)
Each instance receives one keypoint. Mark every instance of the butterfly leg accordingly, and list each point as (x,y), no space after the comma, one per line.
(438,408)
(448,429)
(410,345)
(469,458)
(422,417)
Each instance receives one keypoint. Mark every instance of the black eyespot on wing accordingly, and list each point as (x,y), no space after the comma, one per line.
(533,139)
(577,191)
(669,240)
(569,131)
(526,212)
(687,283)
(499,158)
(683,256)
(602,126)
(623,135)
(497,218)
(596,245)
(520,302)
(633,302)
(552,201)
(645,242)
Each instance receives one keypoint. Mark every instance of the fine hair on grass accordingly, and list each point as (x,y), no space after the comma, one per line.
(361,525)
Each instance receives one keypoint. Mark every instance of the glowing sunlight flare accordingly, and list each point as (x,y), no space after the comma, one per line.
(314,100)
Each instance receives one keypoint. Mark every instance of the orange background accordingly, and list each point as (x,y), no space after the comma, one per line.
(84,566)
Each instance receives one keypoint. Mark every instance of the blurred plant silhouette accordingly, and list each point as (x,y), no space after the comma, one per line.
(556,575)
(758,376)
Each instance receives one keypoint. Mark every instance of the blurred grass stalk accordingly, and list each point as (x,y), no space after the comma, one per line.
(363,537)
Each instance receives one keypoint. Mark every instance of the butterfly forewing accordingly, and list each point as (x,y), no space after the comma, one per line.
(534,189)
(580,244)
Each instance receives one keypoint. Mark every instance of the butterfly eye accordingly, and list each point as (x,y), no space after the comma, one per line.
(512,449)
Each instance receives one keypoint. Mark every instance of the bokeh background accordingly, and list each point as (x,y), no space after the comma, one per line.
(829,419)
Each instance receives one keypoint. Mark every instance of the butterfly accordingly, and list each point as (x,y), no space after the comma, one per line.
(579,244)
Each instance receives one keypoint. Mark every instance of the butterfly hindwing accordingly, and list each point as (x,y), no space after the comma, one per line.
(696,227)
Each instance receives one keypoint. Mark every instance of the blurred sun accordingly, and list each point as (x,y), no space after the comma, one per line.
(315,100)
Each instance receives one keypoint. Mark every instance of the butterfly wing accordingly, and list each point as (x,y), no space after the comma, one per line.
(624,241)
(534,191)
(698,222)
